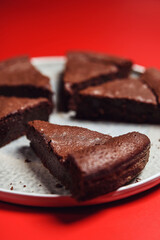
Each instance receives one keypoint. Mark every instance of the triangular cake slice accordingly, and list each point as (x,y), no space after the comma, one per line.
(52,143)
(16,112)
(87,162)
(152,78)
(84,69)
(124,65)
(18,77)
(128,100)
(103,168)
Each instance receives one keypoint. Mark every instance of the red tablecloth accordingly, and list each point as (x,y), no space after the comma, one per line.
(42,28)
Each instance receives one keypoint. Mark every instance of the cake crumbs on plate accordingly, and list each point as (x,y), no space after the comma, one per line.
(138,179)
(27,160)
(11,188)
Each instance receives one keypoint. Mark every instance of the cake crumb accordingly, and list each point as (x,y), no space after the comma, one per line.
(24,185)
(27,160)
(40,185)
(138,179)
(11,188)
(58,185)
(10,183)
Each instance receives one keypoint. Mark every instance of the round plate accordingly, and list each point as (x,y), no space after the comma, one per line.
(23,178)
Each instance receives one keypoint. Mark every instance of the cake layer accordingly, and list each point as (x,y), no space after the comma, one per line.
(16,112)
(88,163)
(128,100)
(18,77)
(84,69)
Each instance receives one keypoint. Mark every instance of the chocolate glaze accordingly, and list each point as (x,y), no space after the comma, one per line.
(64,139)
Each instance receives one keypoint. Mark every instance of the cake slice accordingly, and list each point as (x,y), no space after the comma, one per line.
(152,78)
(124,65)
(16,112)
(85,69)
(88,163)
(18,77)
(128,100)
(52,143)
(103,168)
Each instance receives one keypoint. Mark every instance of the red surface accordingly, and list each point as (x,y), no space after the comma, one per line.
(128,28)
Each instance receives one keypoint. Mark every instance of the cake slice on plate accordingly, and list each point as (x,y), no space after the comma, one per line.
(84,69)
(87,162)
(18,77)
(16,112)
(152,78)
(127,99)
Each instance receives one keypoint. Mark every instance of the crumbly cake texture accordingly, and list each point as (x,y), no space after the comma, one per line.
(19,78)
(85,69)
(127,99)
(152,78)
(16,112)
(88,163)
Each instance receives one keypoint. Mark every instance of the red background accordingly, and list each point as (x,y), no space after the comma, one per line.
(42,28)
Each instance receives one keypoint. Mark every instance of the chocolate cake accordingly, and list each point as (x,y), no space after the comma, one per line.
(152,78)
(88,163)
(16,112)
(52,143)
(129,100)
(18,77)
(103,168)
(85,69)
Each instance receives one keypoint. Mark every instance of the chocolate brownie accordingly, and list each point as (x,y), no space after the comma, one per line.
(88,163)
(152,78)
(16,112)
(52,143)
(128,100)
(85,69)
(18,77)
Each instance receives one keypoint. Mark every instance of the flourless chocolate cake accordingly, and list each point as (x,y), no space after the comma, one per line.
(88,163)
(18,77)
(129,100)
(152,78)
(53,142)
(16,112)
(85,69)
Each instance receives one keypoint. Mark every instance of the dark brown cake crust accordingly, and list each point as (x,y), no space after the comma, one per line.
(88,169)
(128,100)
(16,112)
(18,77)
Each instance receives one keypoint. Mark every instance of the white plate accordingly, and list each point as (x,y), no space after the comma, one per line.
(29,183)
